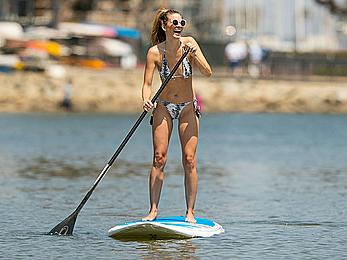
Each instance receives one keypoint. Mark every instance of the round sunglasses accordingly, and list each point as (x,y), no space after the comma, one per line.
(176,22)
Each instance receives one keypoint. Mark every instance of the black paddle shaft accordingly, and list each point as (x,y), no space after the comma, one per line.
(67,225)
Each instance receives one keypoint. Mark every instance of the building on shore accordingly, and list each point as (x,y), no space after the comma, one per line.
(299,25)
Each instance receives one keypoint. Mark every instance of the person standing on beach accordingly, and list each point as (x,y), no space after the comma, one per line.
(66,102)
(236,53)
(177,101)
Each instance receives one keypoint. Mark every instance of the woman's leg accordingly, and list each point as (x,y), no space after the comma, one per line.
(188,132)
(161,131)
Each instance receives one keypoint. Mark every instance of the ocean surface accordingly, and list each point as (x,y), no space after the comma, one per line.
(276,183)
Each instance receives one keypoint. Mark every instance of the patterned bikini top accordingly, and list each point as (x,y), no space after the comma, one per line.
(165,70)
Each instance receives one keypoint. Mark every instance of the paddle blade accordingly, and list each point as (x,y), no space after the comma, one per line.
(65,227)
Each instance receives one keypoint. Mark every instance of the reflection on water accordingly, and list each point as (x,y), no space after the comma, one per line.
(42,167)
(45,167)
(276,183)
(169,249)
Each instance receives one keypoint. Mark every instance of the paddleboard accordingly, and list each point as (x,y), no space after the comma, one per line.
(166,228)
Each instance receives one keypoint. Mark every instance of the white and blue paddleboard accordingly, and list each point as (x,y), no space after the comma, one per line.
(166,228)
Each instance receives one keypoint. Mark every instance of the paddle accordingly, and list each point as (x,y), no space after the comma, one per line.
(67,225)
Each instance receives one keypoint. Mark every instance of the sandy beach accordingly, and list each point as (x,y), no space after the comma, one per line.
(119,91)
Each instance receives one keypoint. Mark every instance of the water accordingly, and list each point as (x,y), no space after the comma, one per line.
(276,183)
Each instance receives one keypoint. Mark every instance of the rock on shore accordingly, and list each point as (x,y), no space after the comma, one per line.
(117,90)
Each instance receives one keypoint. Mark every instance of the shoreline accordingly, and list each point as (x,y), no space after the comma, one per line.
(117,90)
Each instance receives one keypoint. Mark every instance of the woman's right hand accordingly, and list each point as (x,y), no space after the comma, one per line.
(147,105)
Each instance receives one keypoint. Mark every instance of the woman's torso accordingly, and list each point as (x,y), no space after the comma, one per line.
(179,88)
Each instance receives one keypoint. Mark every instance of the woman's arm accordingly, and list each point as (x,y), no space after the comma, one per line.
(148,78)
(198,57)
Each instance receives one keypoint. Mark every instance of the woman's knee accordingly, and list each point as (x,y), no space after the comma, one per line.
(159,160)
(189,161)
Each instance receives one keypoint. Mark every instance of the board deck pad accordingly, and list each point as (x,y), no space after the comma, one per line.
(166,228)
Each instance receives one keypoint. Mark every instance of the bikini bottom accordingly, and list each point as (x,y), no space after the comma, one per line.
(176,109)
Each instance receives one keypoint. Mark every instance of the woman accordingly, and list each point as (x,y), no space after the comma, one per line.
(177,101)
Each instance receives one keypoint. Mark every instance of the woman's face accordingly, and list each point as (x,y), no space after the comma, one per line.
(174,25)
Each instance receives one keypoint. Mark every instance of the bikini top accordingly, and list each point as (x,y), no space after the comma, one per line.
(165,70)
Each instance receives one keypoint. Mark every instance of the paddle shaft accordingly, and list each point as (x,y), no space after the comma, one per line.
(120,148)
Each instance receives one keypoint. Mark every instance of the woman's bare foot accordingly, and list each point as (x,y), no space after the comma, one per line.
(190,217)
(151,216)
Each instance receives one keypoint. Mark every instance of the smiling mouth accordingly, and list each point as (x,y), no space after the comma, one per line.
(177,31)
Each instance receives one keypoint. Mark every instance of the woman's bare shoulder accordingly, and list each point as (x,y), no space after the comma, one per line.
(155,51)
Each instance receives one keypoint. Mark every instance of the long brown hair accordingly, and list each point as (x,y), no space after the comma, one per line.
(160,19)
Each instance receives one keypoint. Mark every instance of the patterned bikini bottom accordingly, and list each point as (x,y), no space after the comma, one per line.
(176,109)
